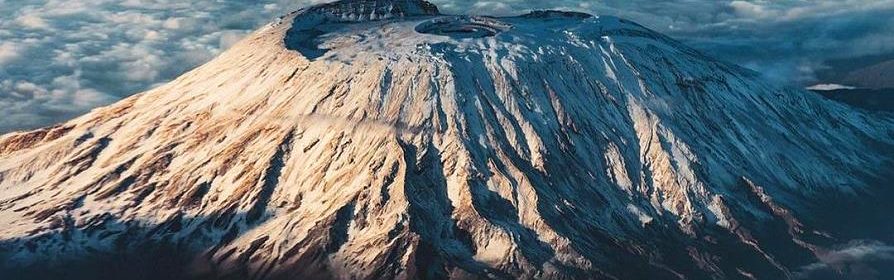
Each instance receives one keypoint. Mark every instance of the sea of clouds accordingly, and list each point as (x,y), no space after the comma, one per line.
(61,58)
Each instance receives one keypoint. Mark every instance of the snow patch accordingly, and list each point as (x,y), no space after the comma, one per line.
(644,218)
(828,87)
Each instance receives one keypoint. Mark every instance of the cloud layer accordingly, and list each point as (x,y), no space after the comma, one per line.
(858,259)
(60,58)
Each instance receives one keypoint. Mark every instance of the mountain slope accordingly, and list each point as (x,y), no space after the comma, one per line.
(869,99)
(380,139)
(875,76)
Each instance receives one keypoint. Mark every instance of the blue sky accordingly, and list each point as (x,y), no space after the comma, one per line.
(61,58)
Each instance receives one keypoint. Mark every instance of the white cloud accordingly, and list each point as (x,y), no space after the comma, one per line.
(858,259)
(8,52)
(22,100)
(492,8)
(752,10)
(32,21)
(173,23)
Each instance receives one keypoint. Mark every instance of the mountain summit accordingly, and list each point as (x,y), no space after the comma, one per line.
(366,10)
(381,139)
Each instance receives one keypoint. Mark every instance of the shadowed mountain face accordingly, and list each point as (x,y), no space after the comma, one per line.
(869,99)
(380,139)
(877,76)
(867,72)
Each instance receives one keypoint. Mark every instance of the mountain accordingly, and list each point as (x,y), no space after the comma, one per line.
(869,99)
(876,76)
(869,71)
(381,139)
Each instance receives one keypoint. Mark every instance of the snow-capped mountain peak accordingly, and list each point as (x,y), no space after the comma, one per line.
(381,139)
(370,10)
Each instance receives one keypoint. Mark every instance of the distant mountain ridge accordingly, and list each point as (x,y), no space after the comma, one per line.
(877,76)
(869,99)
